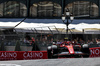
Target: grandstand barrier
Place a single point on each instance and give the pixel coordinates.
(22, 55)
(25, 55)
(95, 52)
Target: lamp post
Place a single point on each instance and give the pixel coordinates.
(66, 16)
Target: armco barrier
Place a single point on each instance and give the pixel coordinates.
(25, 55)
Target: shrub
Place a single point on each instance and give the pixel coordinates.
(2, 47)
(17, 47)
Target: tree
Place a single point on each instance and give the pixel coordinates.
(2, 47)
(17, 47)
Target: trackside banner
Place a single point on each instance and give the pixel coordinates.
(22, 55)
(25, 55)
(95, 52)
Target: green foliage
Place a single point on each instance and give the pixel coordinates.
(17, 47)
(35, 47)
(2, 47)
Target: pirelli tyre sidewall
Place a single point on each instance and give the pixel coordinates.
(51, 50)
(85, 50)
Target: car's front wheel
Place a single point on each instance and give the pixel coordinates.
(51, 50)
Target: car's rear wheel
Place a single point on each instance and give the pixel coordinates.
(49, 53)
(85, 50)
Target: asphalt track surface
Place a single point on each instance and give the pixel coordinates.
(54, 62)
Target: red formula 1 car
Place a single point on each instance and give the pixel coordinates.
(68, 49)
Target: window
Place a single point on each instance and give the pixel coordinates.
(23, 10)
(57, 10)
(33, 10)
(12, 9)
(83, 9)
(45, 9)
(1, 9)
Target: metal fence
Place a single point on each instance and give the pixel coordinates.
(45, 34)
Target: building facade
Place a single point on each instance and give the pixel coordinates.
(49, 9)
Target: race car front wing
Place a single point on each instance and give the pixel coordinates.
(77, 53)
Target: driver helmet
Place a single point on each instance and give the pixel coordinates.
(66, 39)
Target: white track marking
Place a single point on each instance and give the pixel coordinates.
(9, 65)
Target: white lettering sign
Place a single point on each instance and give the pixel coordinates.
(95, 52)
(33, 54)
(8, 54)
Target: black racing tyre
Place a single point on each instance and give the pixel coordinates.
(85, 49)
(49, 52)
(54, 51)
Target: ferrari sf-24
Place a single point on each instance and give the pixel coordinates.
(68, 49)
